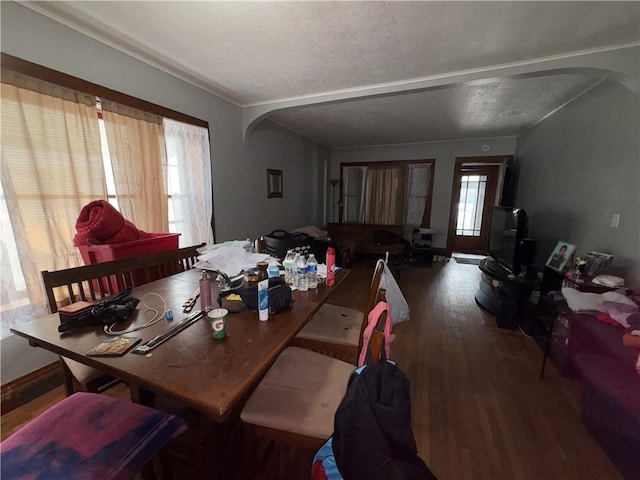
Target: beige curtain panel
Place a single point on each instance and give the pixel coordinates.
(51, 166)
(384, 198)
(137, 151)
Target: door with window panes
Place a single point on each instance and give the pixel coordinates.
(474, 194)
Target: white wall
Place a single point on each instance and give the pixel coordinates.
(302, 163)
(580, 166)
(444, 153)
(238, 170)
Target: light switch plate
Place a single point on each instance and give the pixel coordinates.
(615, 220)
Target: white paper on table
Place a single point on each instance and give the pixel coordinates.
(252, 260)
(230, 258)
(322, 270)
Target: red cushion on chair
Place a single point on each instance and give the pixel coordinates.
(88, 436)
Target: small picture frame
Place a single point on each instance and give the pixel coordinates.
(560, 256)
(274, 183)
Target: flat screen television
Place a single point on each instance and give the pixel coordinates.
(506, 235)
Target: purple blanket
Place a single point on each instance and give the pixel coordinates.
(87, 436)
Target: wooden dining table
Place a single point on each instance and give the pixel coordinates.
(204, 380)
(207, 374)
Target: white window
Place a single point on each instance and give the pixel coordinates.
(188, 174)
(471, 205)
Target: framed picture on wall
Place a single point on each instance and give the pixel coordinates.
(560, 256)
(274, 183)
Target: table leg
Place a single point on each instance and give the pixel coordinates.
(547, 347)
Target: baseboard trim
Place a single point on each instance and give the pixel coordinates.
(28, 387)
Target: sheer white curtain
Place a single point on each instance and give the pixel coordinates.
(353, 180)
(418, 182)
(189, 188)
(51, 166)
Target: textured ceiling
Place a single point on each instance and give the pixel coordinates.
(260, 52)
(502, 108)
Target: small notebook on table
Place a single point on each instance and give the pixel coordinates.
(114, 347)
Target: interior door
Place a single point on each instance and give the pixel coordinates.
(475, 188)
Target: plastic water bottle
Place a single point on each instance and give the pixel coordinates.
(250, 246)
(289, 267)
(273, 270)
(295, 278)
(312, 272)
(301, 270)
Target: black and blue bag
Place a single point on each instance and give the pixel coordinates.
(372, 436)
(280, 297)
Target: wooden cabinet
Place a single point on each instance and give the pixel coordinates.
(560, 343)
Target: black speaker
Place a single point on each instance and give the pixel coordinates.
(527, 252)
(531, 272)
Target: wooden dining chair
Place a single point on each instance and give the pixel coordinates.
(337, 331)
(100, 280)
(294, 405)
(163, 264)
(87, 283)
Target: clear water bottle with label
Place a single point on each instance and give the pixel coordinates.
(273, 270)
(301, 271)
(295, 279)
(289, 267)
(312, 272)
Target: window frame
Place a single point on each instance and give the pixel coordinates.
(53, 76)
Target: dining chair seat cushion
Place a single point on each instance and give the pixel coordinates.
(83, 373)
(88, 436)
(334, 324)
(299, 394)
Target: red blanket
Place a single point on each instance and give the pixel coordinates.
(99, 222)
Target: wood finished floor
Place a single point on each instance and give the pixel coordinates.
(479, 409)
